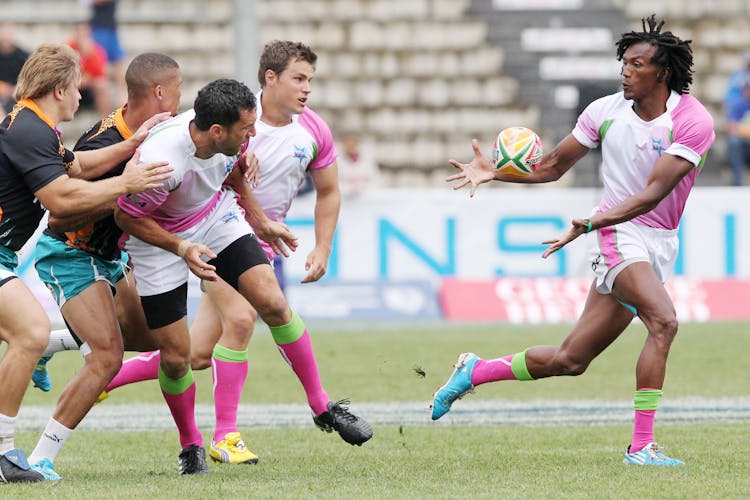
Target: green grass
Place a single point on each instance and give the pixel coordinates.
(429, 461)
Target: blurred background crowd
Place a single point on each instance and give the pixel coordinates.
(405, 84)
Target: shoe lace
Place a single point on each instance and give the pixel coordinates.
(340, 412)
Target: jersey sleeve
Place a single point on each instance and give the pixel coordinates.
(324, 149)
(692, 132)
(588, 125)
(36, 155)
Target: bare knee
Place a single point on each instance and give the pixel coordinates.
(32, 341)
(105, 362)
(275, 310)
(662, 329)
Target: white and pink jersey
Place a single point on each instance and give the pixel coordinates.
(284, 155)
(631, 147)
(195, 185)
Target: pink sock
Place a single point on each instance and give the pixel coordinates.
(492, 370)
(300, 356)
(229, 379)
(136, 369)
(182, 407)
(643, 430)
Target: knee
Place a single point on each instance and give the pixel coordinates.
(33, 340)
(174, 364)
(664, 329)
(107, 362)
(275, 310)
(239, 323)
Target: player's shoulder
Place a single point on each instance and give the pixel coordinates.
(24, 123)
(690, 105)
(103, 133)
(611, 103)
(315, 124)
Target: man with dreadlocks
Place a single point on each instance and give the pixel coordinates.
(654, 138)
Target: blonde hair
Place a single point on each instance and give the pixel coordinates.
(51, 66)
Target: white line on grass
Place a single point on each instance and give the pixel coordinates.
(131, 417)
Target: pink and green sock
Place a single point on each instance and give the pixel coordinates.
(511, 367)
(229, 371)
(180, 397)
(295, 346)
(137, 369)
(645, 402)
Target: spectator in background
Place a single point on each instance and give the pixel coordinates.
(358, 170)
(737, 80)
(738, 132)
(12, 58)
(94, 85)
(103, 25)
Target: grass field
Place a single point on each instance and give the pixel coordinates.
(428, 460)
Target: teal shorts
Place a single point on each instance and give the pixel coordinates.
(67, 271)
(8, 264)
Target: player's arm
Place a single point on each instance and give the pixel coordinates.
(327, 206)
(553, 165)
(145, 228)
(280, 238)
(667, 173)
(66, 196)
(75, 222)
(94, 163)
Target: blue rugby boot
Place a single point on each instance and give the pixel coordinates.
(651, 455)
(40, 377)
(46, 468)
(458, 385)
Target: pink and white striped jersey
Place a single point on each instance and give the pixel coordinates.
(631, 147)
(194, 187)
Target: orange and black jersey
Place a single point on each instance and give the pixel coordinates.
(31, 156)
(101, 237)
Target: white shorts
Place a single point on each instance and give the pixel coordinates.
(612, 249)
(158, 271)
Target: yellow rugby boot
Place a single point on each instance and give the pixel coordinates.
(232, 450)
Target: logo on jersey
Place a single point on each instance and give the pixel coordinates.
(300, 153)
(657, 144)
(229, 165)
(230, 216)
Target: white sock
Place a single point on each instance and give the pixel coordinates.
(60, 340)
(50, 442)
(7, 426)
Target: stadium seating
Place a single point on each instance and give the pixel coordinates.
(422, 77)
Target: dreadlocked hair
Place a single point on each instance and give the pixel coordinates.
(673, 55)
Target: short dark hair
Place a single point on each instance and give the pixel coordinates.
(671, 54)
(146, 71)
(220, 102)
(278, 53)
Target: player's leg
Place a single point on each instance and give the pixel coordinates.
(224, 313)
(26, 336)
(136, 335)
(639, 285)
(166, 315)
(91, 313)
(256, 281)
(603, 319)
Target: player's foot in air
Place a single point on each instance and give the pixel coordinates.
(232, 450)
(651, 455)
(351, 428)
(14, 468)
(193, 460)
(457, 386)
(46, 468)
(40, 377)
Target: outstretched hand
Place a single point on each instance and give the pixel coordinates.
(477, 172)
(579, 227)
(279, 237)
